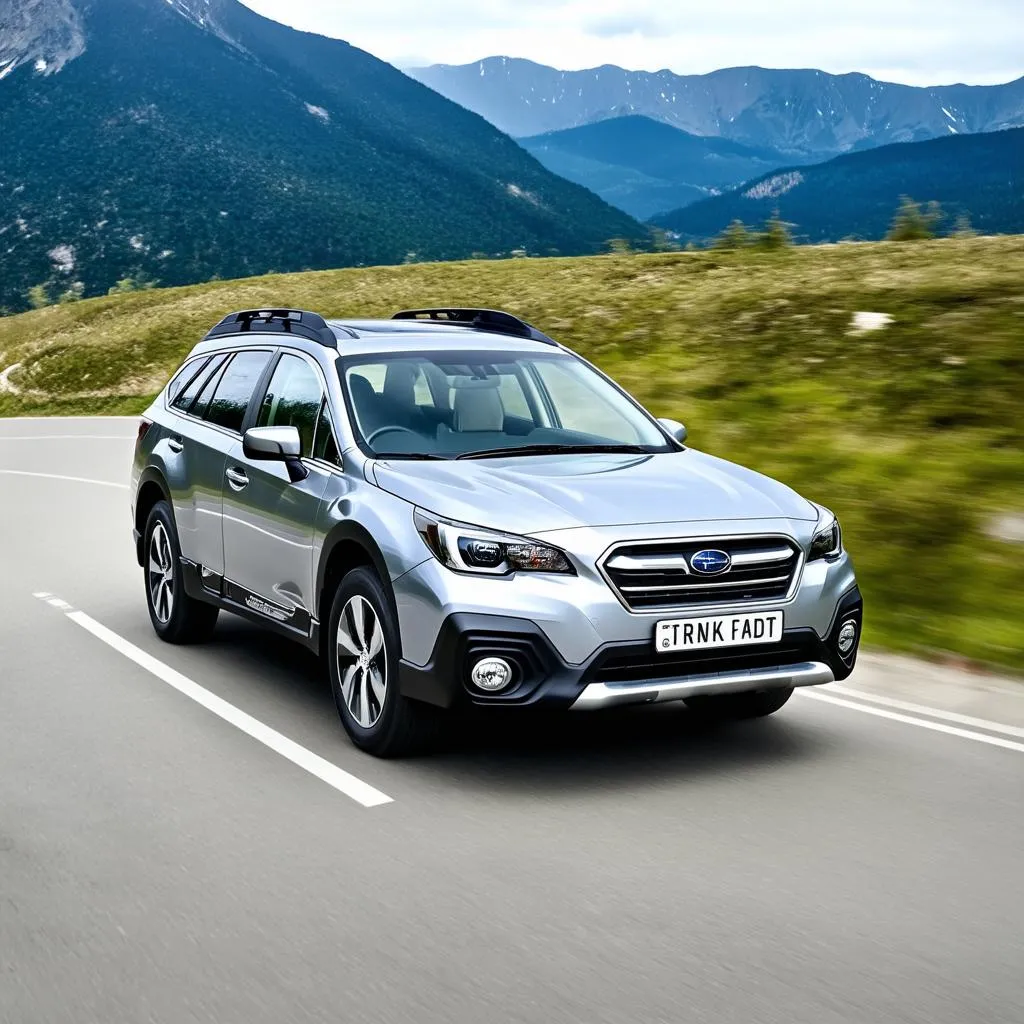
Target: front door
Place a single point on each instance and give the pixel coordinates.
(269, 521)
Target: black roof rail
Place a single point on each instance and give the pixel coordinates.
(481, 319)
(277, 321)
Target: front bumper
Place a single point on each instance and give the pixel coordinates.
(617, 673)
(604, 695)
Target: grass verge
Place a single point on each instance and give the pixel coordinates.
(912, 433)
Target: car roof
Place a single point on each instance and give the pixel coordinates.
(444, 329)
(361, 337)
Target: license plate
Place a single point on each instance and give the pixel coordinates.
(718, 631)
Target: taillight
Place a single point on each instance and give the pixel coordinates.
(144, 426)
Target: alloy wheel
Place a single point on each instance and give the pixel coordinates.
(362, 665)
(161, 574)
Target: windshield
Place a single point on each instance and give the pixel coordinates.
(479, 404)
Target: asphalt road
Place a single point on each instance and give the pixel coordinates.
(159, 864)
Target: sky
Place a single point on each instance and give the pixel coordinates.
(920, 42)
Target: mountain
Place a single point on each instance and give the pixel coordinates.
(186, 139)
(857, 194)
(645, 166)
(805, 113)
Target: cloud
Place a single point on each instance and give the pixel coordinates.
(624, 24)
(922, 42)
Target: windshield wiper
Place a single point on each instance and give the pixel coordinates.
(415, 456)
(558, 449)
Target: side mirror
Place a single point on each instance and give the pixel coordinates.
(675, 428)
(276, 444)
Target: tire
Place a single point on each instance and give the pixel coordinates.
(734, 707)
(176, 617)
(362, 649)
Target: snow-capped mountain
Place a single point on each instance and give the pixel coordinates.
(805, 113)
(43, 33)
(183, 139)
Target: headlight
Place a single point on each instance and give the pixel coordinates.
(472, 549)
(828, 537)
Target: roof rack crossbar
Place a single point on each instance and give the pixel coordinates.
(494, 320)
(277, 321)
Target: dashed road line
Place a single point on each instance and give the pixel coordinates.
(351, 786)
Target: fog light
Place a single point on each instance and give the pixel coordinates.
(491, 674)
(847, 637)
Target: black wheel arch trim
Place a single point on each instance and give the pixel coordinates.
(350, 532)
(150, 475)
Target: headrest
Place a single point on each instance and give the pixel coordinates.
(400, 383)
(478, 409)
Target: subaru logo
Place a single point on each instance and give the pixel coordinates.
(710, 563)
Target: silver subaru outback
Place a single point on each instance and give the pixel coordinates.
(453, 509)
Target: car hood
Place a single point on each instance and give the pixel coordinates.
(533, 494)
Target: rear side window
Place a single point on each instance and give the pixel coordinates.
(191, 383)
(210, 379)
(184, 377)
(237, 383)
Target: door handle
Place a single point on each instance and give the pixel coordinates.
(176, 444)
(237, 478)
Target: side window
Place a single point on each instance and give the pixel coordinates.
(324, 446)
(185, 396)
(231, 399)
(210, 381)
(293, 399)
(580, 407)
(186, 375)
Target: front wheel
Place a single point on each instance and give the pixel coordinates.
(738, 706)
(176, 617)
(363, 656)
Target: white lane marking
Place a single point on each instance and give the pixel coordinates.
(68, 419)
(362, 792)
(921, 709)
(921, 723)
(57, 476)
(65, 437)
(56, 602)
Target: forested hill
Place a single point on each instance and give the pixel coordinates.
(977, 176)
(183, 141)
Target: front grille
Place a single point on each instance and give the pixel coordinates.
(643, 664)
(656, 575)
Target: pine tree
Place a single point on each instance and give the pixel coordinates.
(963, 227)
(776, 233)
(735, 236)
(912, 224)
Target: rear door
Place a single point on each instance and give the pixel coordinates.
(211, 410)
(270, 521)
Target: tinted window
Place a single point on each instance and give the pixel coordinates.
(184, 376)
(186, 395)
(293, 399)
(210, 380)
(236, 386)
(325, 447)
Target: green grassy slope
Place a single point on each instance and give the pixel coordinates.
(914, 434)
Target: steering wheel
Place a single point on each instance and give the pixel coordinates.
(387, 430)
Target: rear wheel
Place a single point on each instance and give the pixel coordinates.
(362, 651)
(738, 706)
(176, 617)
